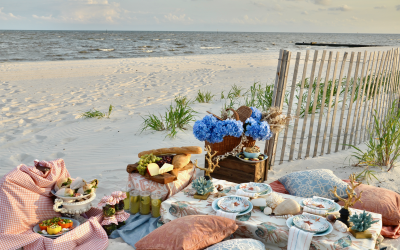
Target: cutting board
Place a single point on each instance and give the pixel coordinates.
(162, 179)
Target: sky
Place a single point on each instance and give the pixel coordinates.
(318, 16)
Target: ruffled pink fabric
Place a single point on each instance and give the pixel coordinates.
(122, 216)
(106, 200)
(109, 221)
(118, 196)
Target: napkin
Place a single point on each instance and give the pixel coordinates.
(299, 239)
(240, 192)
(231, 216)
(314, 211)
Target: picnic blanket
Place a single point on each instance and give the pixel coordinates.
(25, 200)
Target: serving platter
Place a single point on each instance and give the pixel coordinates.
(248, 161)
(75, 224)
(289, 223)
(214, 206)
(316, 224)
(233, 204)
(319, 203)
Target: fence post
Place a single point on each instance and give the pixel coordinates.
(277, 101)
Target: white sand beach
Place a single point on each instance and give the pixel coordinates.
(41, 105)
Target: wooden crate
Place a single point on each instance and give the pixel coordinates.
(234, 170)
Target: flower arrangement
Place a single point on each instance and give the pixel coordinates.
(254, 127)
(213, 130)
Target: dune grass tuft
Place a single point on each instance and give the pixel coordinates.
(204, 97)
(97, 114)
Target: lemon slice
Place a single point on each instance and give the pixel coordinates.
(134, 198)
(146, 200)
(156, 203)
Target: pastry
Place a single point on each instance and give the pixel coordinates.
(173, 150)
(180, 161)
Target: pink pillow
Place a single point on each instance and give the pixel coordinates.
(381, 201)
(188, 233)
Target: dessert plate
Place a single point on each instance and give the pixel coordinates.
(233, 204)
(316, 224)
(289, 223)
(335, 209)
(214, 206)
(266, 192)
(254, 187)
(319, 203)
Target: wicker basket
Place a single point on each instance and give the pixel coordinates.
(229, 142)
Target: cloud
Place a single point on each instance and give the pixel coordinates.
(380, 7)
(97, 2)
(398, 7)
(274, 7)
(248, 20)
(322, 2)
(304, 13)
(50, 17)
(181, 18)
(341, 8)
(8, 16)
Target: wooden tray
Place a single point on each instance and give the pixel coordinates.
(163, 178)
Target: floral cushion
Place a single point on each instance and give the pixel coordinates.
(188, 233)
(238, 244)
(317, 182)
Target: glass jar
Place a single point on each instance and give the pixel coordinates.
(144, 202)
(126, 200)
(108, 210)
(155, 204)
(134, 201)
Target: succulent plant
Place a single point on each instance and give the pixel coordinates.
(361, 222)
(202, 186)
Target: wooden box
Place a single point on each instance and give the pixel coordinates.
(237, 171)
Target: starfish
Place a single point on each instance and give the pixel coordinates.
(317, 219)
(251, 188)
(236, 204)
(320, 206)
(308, 222)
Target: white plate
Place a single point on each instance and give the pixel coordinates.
(319, 203)
(214, 206)
(317, 223)
(70, 198)
(289, 223)
(252, 187)
(75, 224)
(268, 191)
(336, 209)
(233, 204)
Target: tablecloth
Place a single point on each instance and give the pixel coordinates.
(138, 182)
(272, 231)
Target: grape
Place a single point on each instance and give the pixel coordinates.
(146, 160)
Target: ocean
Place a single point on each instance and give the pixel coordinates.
(80, 45)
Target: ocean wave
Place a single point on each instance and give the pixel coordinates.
(156, 39)
(83, 51)
(148, 51)
(210, 47)
(105, 49)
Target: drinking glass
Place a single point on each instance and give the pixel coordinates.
(155, 204)
(144, 202)
(134, 201)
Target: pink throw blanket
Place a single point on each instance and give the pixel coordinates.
(25, 200)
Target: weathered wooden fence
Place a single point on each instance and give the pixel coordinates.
(333, 102)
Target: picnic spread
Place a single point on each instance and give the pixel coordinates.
(167, 204)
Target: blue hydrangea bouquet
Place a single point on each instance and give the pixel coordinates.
(225, 135)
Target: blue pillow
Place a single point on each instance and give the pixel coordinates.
(238, 244)
(317, 182)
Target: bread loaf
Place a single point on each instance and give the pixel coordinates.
(173, 150)
(180, 161)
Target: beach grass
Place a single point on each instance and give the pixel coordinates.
(97, 114)
(204, 97)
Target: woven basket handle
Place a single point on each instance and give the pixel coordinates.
(234, 113)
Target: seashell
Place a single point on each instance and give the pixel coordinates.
(331, 217)
(273, 200)
(288, 206)
(260, 202)
(340, 226)
(267, 211)
(219, 187)
(305, 226)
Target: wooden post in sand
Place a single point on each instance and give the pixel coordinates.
(277, 101)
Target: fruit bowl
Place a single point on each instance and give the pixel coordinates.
(250, 155)
(69, 207)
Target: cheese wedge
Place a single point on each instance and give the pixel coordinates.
(166, 168)
(153, 169)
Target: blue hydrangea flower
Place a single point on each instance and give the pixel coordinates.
(256, 114)
(213, 130)
(200, 130)
(258, 130)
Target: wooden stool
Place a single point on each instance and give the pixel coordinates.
(234, 170)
